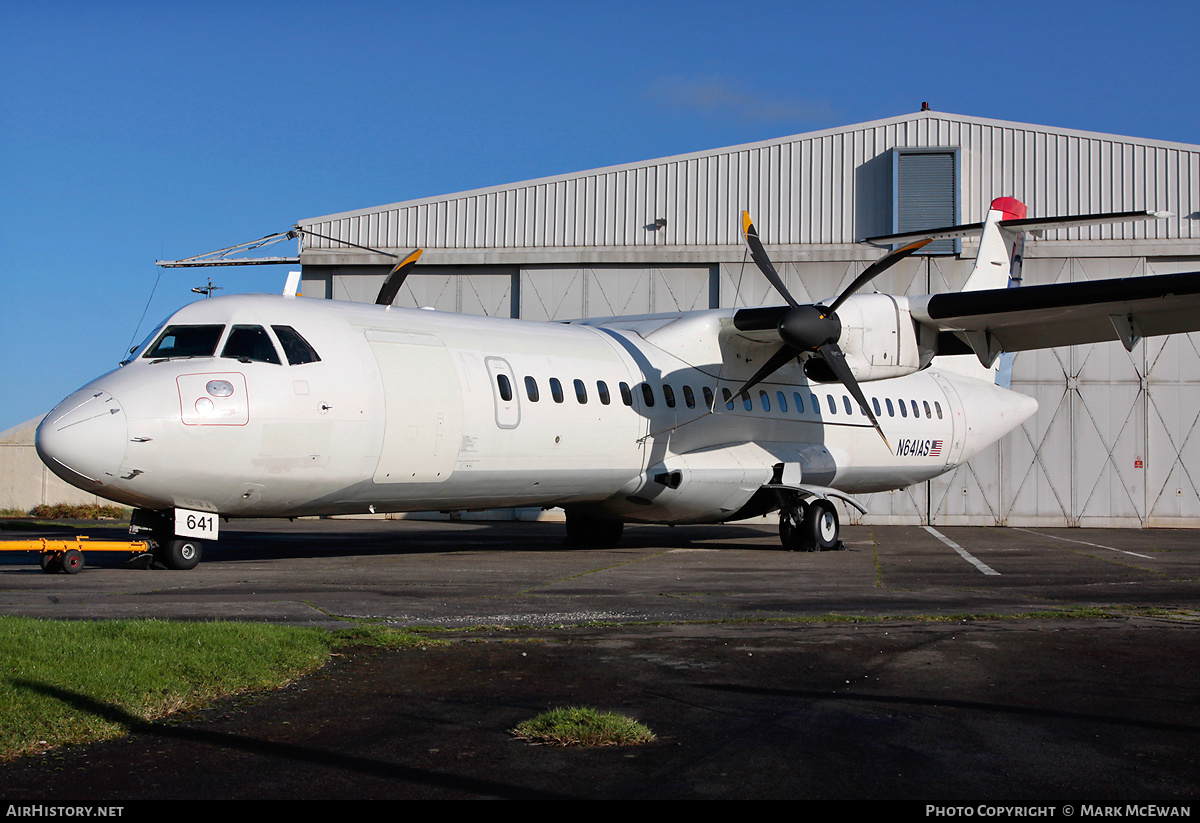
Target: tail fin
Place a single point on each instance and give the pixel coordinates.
(999, 247)
(998, 265)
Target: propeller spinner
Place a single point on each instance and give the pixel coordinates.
(811, 328)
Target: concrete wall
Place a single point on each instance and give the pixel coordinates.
(25, 481)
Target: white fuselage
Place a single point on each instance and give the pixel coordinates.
(411, 410)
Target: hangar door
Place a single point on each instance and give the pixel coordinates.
(568, 293)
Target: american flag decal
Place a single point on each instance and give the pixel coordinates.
(909, 447)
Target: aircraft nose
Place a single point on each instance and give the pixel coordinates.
(83, 438)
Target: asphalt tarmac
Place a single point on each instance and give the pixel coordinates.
(985, 666)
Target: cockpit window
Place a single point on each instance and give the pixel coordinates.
(295, 347)
(186, 341)
(146, 341)
(250, 344)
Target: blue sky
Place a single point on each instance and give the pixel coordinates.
(138, 131)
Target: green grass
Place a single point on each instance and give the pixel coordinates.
(69, 682)
(583, 726)
(89, 511)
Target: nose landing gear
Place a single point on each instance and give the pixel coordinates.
(168, 550)
(179, 553)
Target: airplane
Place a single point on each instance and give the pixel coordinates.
(285, 406)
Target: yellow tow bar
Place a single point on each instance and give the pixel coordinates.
(59, 555)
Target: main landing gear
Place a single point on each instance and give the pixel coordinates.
(808, 527)
(587, 532)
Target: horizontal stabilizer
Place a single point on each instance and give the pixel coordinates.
(1026, 224)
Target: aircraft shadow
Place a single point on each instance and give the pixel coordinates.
(261, 540)
(299, 754)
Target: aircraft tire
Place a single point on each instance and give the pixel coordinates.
(820, 526)
(179, 554)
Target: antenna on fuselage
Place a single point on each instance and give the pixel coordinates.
(207, 290)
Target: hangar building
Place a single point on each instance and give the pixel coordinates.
(1115, 441)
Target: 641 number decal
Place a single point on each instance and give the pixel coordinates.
(196, 524)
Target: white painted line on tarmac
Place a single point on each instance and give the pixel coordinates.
(966, 555)
(1085, 543)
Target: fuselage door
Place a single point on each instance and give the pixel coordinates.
(504, 390)
(423, 407)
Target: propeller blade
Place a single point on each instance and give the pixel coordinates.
(395, 279)
(764, 263)
(877, 268)
(778, 360)
(837, 364)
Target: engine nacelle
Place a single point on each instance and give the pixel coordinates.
(880, 339)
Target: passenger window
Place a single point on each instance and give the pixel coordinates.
(799, 402)
(295, 348)
(580, 391)
(782, 401)
(903, 408)
(832, 405)
(747, 403)
(626, 394)
(556, 390)
(648, 395)
(891, 411)
(186, 341)
(875, 403)
(504, 386)
(764, 401)
(938, 408)
(250, 344)
(708, 397)
(816, 405)
(531, 390)
(728, 399)
(669, 396)
(688, 397)
(928, 413)
(916, 413)
(602, 392)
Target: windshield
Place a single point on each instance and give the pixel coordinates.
(140, 347)
(186, 341)
(250, 344)
(296, 348)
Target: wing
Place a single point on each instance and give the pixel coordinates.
(1064, 314)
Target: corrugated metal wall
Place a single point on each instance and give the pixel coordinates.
(829, 187)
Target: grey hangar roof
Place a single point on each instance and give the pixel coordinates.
(815, 195)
